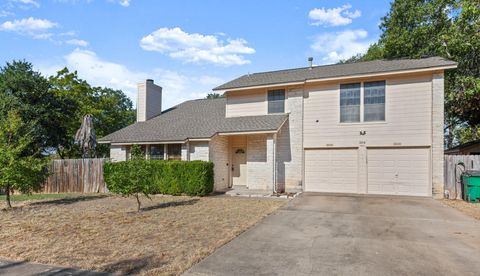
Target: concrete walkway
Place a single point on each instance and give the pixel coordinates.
(353, 235)
(15, 268)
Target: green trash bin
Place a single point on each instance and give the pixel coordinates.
(471, 186)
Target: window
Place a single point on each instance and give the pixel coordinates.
(350, 103)
(374, 101)
(276, 101)
(156, 152)
(174, 151)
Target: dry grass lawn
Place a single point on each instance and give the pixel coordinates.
(470, 209)
(104, 233)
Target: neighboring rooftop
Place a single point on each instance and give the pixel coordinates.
(334, 70)
(193, 120)
(469, 147)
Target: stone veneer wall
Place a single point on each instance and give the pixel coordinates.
(260, 161)
(218, 154)
(199, 151)
(289, 147)
(437, 134)
(118, 153)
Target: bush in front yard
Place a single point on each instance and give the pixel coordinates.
(129, 178)
(193, 178)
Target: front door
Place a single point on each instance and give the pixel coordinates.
(239, 166)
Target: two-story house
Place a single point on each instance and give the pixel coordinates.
(370, 128)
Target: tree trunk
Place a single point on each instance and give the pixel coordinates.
(138, 203)
(7, 197)
(450, 136)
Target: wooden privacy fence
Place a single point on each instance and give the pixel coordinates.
(453, 172)
(76, 175)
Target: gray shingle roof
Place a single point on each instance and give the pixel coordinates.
(335, 70)
(193, 119)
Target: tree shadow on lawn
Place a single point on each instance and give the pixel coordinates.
(170, 204)
(134, 266)
(69, 200)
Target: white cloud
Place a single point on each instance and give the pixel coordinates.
(341, 45)
(99, 72)
(27, 3)
(4, 13)
(77, 42)
(333, 17)
(36, 28)
(124, 3)
(197, 48)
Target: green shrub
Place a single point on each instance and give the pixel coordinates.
(129, 178)
(147, 177)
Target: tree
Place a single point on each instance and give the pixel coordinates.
(111, 109)
(37, 104)
(214, 96)
(18, 169)
(447, 28)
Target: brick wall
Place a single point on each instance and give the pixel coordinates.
(218, 154)
(118, 153)
(437, 134)
(260, 161)
(199, 151)
(289, 147)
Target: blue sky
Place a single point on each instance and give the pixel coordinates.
(187, 47)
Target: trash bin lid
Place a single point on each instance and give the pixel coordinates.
(472, 173)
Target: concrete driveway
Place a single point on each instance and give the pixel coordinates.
(353, 235)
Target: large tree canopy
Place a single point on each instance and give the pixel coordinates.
(37, 103)
(57, 106)
(447, 28)
(111, 109)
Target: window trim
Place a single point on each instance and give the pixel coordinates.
(362, 104)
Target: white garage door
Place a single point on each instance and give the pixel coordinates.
(332, 171)
(399, 171)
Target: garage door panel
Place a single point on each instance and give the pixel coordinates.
(331, 170)
(402, 171)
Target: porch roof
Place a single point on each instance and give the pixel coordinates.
(197, 119)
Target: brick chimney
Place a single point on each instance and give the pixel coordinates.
(149, 100)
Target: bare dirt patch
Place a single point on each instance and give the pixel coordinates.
(470, 209)
(106, 234)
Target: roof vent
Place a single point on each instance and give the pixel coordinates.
(310, 62)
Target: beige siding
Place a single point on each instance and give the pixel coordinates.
(218, 154)
(199, 151)
(408, 116)
(246, 103)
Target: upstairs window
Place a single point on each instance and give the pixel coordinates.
(276, 101)
(374, 101)
(350, 103)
